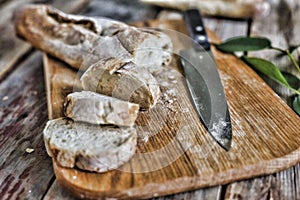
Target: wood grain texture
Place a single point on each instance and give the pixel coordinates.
(64, 80)
(258, 188)
(286, 184)
(56, 191)
(8, 40)
(224, 28)
(25, 170)
(211, 193)
(263, 142)
(23, 114)
(280, 26)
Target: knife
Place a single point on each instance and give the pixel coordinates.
(204, 82)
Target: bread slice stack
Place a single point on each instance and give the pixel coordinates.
(88, 137)
(97, 132)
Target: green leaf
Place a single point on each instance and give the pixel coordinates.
(267, 68)
(293, 81)
(296, 104)
(238, 44)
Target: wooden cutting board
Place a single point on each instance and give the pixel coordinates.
(175, 153)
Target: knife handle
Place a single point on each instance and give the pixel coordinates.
(196, 28)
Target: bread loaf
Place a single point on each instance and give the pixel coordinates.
(130, 83)
(95, 108)
(82, 41)
(88, 147)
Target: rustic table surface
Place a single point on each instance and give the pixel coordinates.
(25, 168)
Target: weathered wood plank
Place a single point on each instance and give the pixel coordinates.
(224, 28)
(58, 192)
(122, 10)
(23, 114)
(275, 190)
(257, 188)
(25, 169)
(211, 193)
(281, 24)
(297, 180)
(287, 184)
(8, 40)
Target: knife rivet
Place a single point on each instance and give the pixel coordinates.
(199, 28)
(201, 38)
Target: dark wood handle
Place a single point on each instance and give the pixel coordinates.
(196, 28)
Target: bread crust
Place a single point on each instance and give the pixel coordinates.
(82, 41)
(130, 83)
(91, 148)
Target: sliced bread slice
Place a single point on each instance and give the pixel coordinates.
(130, 83)
(91, 107)
(89, 147)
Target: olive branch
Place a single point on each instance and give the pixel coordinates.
(246, 44)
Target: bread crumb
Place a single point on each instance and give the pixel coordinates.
(5, 98)
(146, 138)
(170, 101)
(155, 195)
(29, 150)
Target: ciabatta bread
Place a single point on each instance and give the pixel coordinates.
(95, 108)
(88, 147)
(130, 83)
(82, 41)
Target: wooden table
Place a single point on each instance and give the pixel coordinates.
(25, 168)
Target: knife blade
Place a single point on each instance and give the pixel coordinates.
(203, 81)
